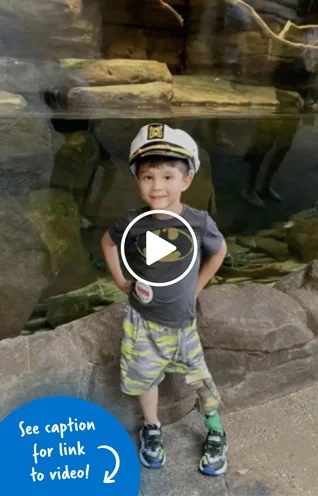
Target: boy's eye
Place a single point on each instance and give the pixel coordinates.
(168, 177)
(147, 178)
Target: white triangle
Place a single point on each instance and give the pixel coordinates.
(157, 248)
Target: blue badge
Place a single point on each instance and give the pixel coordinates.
(62, 445)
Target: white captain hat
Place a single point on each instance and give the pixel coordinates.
(160, 139)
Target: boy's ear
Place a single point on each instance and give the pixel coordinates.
(186, 182)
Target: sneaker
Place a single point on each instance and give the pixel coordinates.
(151, 451)
(214, 461)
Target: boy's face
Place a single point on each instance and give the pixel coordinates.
(161, 186)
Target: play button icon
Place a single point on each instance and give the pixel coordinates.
(157, 248)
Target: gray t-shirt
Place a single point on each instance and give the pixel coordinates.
(172, 305)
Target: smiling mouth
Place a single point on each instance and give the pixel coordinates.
(157, 197)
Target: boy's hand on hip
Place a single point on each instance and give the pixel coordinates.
(125, 286)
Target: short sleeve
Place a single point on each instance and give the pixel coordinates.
(117, 229)
(212, 238)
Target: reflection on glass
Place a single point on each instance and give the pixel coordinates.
(79, 80)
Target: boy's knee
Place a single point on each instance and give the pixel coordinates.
(209, 396)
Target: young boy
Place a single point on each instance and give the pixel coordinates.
(159, 330)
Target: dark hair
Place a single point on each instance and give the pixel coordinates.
(160, 160)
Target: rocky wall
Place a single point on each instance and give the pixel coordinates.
(259, 342)
(41, 29)
(250, 42)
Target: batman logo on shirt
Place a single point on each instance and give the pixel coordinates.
(181, 239)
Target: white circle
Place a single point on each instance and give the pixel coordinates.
(165, 212)
(144, 292)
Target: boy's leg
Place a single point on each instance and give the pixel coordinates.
(214, 458)
(213, 461)
(149, 405)
(142, 369)
(151, 451)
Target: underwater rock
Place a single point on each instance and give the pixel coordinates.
(148, 95)
(108, 130)
(279, 233)
(201, 194)
(75, 162)
(71, 306)
(112, 182)
(19, 176)
(246, 241)
(24, 267)
(24, 136)
(275, 248)
(303, 234)
(104, 72)
(54, 215)
(233, 247)
(243, 265)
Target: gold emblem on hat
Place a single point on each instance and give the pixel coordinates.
(155, 131)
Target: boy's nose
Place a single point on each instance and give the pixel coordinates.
(157, 184)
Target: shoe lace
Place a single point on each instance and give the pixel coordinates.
(152, 437)
(213, 447)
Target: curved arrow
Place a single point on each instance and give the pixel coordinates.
(108, 479)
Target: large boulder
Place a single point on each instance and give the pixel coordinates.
(257, 343)
(254, 317)
(81, 359)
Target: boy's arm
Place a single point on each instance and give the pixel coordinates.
(210, 267)
(110, 252)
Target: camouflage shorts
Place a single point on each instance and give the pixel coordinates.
(148, 350)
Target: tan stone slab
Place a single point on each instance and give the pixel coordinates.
(11, 101)
(118, 71)
(144, 95)
(194, 90)
(208, 90)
